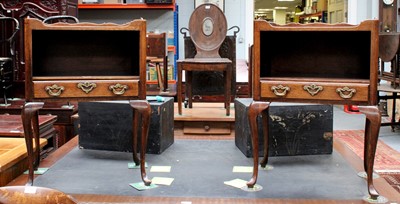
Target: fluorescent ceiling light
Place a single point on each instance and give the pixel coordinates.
(265, 10)
(285, 0)
(279, 7)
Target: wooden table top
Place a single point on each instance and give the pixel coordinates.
(11, 125)
(12, 150)
(387, 88)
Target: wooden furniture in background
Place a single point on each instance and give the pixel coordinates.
(389, 41)
(394, 95)
(13, 158)
(388, 16)
(7, 57)
(250, 69)
(337, 66)
(85, 62)
(33, 195)
(207, 35)
(157, 53)
(11, 126)
(63, 110)
(209, 86)
(21, 10)
(388, 52)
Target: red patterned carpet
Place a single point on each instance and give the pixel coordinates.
(393, 179)
(387, 160)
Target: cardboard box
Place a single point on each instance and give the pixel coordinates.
(153, 73)
(113, 1)
(322, 5)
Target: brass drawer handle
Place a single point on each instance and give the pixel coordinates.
(313, 89)
(86, 86)
(118, 89)
(346, 92)
(280, 90)
(54, 90)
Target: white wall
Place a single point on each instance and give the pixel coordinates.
(359, 10)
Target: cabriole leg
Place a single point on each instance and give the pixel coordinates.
(30, 122)
(255, 109)
(142, 108)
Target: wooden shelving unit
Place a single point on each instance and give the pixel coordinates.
(138, 6)
(127, 6)
(318, 14)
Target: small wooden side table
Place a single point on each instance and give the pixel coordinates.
(389, 89)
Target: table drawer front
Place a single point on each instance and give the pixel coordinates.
(315, 91)
(77, 89)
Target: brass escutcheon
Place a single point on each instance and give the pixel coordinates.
(313, 89)
(280, 90)
(118, 89)
(328, 136)
(346, 92)
(86, 86)
(54, 90)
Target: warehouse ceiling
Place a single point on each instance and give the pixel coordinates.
(269, 5)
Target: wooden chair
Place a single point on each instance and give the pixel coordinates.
(6, 62)
(209, 86)
(33, 195)
(208, 28)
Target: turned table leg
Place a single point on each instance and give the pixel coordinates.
(188, 87)
(179, 88)
(228, 78)
(372, 126)
(30, 120)
(141, 108)
(255, 109)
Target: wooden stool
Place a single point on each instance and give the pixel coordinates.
(160, 78)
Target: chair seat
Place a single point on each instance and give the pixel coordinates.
(206, 60)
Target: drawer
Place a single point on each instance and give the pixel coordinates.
(316, 91)
(207, 128)
(87, 88)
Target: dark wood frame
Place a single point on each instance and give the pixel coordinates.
(288, 87)
(388, 15)
(85, 86)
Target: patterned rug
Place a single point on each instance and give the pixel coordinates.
(393, 179)
(387, 160)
